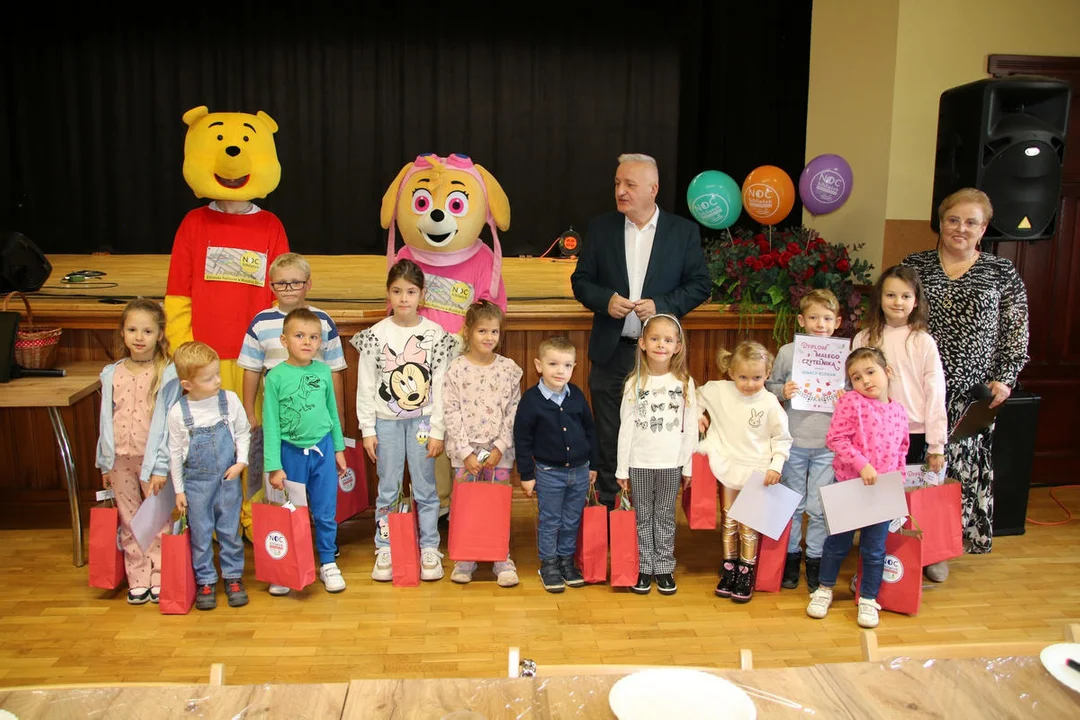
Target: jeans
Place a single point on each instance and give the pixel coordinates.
(871, 549)
(398, 443)
(560, 496)
(806, 471)
(316, 469)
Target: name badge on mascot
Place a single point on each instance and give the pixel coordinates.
(448, 295)
(247, 267)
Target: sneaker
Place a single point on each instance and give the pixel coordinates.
(791, 571)
(205, 598)
(644, 584)
(570, 573)
(505, 573)
(868, 613)
(383, 570)
(744, 582)
(138, 596)
(937, 572)
(551, 577)
(155, 594)
(813, 573)
(820, 600)
(727, 579)
(854, 584)
(331, 578)
(278, 590)
(430, 564)
(235, 592)
(665, 583)
(463, 571)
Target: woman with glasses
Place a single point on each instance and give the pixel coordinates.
(979, 318)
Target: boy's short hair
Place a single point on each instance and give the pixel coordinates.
(300, 315)
(191, 357)
(822, 297)
(291, 260)
(558, 343)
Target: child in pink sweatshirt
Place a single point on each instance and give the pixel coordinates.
(869, 436)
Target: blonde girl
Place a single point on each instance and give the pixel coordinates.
(746, 430)
(656, 440)
(132, 450)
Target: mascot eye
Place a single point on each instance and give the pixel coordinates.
(220, 137)
(421, 201)
(457, 203)
(245, 138)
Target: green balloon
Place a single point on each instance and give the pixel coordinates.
(715, 199)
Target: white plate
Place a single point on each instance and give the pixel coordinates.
(1053, 659)
(668, 693)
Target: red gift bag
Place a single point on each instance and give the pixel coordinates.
(772, 555)
(936, 510)
(901, 582)
(106, 554)
(352, 494)
(177, 572)
(625, 562)
(591, 553)
(405, 545)
(479, 521)
(699, 498)
(282, 540)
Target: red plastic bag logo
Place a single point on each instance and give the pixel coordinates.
(277, 546)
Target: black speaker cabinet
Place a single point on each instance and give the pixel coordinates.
(1006, 137)
(1013, 456)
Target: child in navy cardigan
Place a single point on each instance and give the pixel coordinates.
(555, 441)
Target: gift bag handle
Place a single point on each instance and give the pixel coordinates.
(183, 523)
(622, 500)
(591, 498)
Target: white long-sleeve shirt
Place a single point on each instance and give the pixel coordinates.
(746, 432)
(205, 413)
(918, 381)
(659, 425)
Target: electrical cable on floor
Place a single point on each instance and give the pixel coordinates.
(1068, 514)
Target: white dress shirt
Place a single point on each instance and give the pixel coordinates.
(638, 250)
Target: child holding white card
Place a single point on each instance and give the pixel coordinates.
(745, 430)
(869, 436)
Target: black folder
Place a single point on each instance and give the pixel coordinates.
(9, 325)
(977, 415)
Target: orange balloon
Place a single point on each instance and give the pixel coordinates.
(768, 194)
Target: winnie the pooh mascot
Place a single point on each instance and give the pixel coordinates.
(440, 205)
(219, 268)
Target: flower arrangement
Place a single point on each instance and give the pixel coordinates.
(771, 271)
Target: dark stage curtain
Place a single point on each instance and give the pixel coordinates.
(92, 133)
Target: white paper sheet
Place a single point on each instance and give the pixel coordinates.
(154, 513)
(921, 476)
(297, 493)
(765, 509)
(850, 505)
(817, 369)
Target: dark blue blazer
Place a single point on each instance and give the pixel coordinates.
(676, 279)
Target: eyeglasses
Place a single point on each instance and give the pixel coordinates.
(288, 285)
(955, 222)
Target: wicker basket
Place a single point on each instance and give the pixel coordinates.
(35, 345)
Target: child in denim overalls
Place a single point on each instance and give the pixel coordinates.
(209, 437)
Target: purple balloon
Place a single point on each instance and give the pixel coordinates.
(825, 184)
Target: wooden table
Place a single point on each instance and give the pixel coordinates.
(53, 393)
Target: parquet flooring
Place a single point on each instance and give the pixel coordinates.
(53, 628)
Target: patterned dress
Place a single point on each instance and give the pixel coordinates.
(980, 323)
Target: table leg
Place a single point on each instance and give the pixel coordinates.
(72, 479)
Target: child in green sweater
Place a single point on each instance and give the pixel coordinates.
(302, 435)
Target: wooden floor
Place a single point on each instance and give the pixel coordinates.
(55, 629)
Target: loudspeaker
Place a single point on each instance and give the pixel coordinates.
(1006, 137)
(1013, 455)
(23, 266)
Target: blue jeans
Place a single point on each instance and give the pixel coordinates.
(560, 496)
(871, 549)
(213, 502)
(316, 469)
(806, 471)
(398, 443)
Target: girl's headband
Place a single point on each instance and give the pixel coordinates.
(666, 316)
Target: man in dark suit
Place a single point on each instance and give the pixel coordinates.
(634, 263)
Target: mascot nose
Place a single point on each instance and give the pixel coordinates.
(232, 151)
(437, 215)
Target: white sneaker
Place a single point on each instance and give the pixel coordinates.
(505, 573)
(278, 590)
(383, 570)
(868, 613)
(331, 578)
(820, 600)
(463, 572)
(430, 564)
